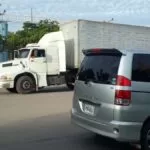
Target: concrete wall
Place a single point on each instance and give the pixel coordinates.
(108, 35)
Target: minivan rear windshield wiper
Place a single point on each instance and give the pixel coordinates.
(90, 80)
(97, 81)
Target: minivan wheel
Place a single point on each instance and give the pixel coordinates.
(25, 85)
(145, 137)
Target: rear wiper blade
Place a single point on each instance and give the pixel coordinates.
(96, 81)
(90, 80)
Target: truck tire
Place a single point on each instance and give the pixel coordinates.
(70, 80)
(70, 86)
(11, 90)
(25, 85)
(145, 141)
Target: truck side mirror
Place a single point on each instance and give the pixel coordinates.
(16, 55)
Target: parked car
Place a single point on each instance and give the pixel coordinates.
(112, 94)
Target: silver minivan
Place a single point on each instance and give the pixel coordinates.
(112, 95)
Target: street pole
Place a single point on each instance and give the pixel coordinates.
(1, 21)
(31, 16)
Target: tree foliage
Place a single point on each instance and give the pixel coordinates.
(31, 33)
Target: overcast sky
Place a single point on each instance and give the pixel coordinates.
(123, 11)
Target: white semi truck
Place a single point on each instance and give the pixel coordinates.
(55, 59)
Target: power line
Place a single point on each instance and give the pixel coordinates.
(20, 19)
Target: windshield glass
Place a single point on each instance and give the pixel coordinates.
(23, 53)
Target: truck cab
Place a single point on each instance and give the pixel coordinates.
(22, 74)
(36, 66)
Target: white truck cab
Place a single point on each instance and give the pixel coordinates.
(36, 65)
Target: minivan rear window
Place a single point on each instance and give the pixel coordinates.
(102, 68)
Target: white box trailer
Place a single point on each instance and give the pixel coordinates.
(56, 58)
(84, 34)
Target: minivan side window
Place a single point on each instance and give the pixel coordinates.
(99, 68)
(141, 68)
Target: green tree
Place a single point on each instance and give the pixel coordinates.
(31, 33)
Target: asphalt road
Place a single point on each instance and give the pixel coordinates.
(41, 121)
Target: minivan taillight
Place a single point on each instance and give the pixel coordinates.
(123, 91)
(123, 81)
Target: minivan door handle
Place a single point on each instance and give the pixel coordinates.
(112, 88)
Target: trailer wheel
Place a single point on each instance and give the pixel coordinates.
(70, 79)
(70, 86)
(11, 90)
(25, 85)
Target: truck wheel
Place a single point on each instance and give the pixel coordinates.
(12, 90)
(69, 83)
(70, 79)
(145, 137)
(70, 86)
(25, 85)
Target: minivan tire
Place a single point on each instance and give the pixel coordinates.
(25, 85)
(144, 137)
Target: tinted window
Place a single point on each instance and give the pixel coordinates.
(99, 68)
(141, 68)
(38, 53)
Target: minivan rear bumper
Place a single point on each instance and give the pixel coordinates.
(120, 131)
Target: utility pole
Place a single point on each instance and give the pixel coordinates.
(31, 15)
(3, 28)
(2, 13)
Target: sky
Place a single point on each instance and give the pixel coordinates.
(136, 12)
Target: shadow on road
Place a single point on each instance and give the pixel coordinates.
(107, 143)
(54, 132)
(53, 89)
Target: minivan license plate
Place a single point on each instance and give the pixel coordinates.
(89, 109)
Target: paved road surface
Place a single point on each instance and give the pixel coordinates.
(41, 121)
